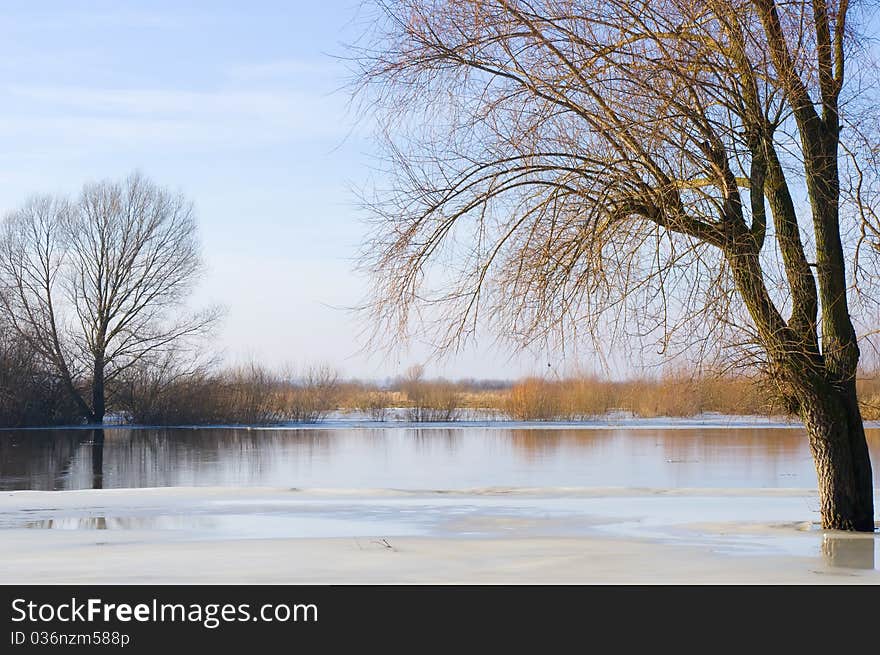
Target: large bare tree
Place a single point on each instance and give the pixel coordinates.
(638, 165)
(98, 285)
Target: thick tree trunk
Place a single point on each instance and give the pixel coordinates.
(840, 453)
(98, 391)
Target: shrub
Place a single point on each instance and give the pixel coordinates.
(247, 395)
(310, 398)
(535, 399)
(30, 394)
(373, 403)
(430, 401)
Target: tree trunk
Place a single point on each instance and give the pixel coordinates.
(840, 453)
(98, 391)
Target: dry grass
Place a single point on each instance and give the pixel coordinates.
(868, 386)
(375, 403)
(249, 395)
(434, 401)
(677, 395)
(417, 399)
(308, 399)
(681, 395)
(535, 399)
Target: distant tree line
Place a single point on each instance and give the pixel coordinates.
(94, 320)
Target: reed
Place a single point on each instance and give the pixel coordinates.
(868, 387)
(430, 400)
(247, 395)
(674, 395)
(375, 403)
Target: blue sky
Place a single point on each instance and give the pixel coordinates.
(237, 104)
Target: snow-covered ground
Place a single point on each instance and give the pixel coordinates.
(471, 418)
(568, 535)
(486, 419)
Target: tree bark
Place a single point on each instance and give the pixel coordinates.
(840, 453)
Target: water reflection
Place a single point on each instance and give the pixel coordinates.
(121, 523)
(428, 440)
(848, 551)
(38, 459)
(97, 459)
(677, 445)
(425, 458)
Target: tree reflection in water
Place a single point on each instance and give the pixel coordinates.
(849, 551)
(38, 459)
(97, 459)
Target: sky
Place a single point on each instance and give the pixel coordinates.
(241, 106)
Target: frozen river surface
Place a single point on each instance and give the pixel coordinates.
(732, 493)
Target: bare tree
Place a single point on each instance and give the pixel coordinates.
(636, 167)
(98, 285)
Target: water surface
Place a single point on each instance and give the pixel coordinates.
(460, 457)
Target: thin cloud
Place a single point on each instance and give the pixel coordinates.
(162, 115)
(60, 19)
(284, 69)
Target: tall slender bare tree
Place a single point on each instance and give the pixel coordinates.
(99, 284)
(642, 164)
